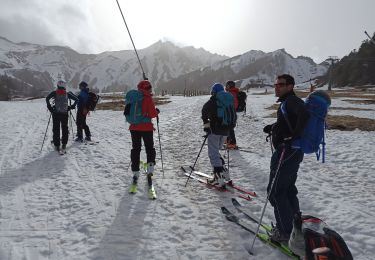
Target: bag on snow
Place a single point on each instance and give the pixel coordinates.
(61, 101)
(133, 108)
(317, 104)
(241, 97)
(226, 113)
(92, 100)
(311, 233)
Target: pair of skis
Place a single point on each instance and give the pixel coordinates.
(264, 236)
(230, 187)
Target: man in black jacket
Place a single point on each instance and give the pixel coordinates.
(292, 117)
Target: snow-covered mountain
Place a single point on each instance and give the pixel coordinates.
(250, 67)
(116, 70)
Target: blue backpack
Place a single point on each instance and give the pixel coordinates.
(317, 104)
(133, 108)
(226, 113)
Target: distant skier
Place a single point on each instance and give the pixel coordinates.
(139, 111)
(219, 116)
(82, 113)
(230, 87)
(60, 115)
(288, 127)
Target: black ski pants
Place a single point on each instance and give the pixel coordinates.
(231, 137)
(148, 140)
(283, 196)
(57, 120)
(81, 125)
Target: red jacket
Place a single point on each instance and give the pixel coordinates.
(234, 91)
(148, 110)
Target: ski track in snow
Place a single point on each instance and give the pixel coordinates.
(77, 206)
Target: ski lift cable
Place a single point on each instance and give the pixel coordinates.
(127, 28)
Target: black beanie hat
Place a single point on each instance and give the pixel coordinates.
(83, 84)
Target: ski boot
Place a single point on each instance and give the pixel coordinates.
(133, 186)
(63, 149)
(151, 189)
(218, 179)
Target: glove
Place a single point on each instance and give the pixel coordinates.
(207, 128)
(268, 129)
(52, 109)
(157, 110)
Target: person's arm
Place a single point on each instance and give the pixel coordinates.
(74, 98)
(297, 107)
(48, 98)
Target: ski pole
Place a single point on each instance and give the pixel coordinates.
(135, 50)
(268, 196)
(70, 119)
(161, 154)
(205, 139)
(46, 131)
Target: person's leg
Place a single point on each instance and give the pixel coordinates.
(148, 140)
(56, 129)
(86, 128)
(64, 129)
(79, 125)
(279, 198)
(214, 143)
(135, 153)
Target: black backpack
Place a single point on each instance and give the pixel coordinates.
(92, 100)
(241, 97)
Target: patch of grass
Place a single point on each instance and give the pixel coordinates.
(360, 101)
(350, 123)
(351, 108)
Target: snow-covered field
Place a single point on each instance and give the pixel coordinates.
(77, 206)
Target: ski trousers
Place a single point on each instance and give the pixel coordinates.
(81, 125)
(148, 140)
(215, 142)
(57, 120)
(283, 196)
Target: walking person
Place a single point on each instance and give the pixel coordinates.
(292, 117)
(60, 116)
(230, 87)
(139, 111)
(82, 113)
(219, 116)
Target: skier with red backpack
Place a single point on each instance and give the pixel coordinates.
(60, 116)
(139, 111)
(230, 87)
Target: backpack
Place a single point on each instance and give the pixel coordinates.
(61, 101)
(241, 96)
(313, 136)
(133, 108)
(226, 113)
(92, 100)
(310, 233)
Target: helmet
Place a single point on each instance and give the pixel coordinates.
(217, 87)
(144, 85)
(83, 84)
(61, 84)
(230, 84)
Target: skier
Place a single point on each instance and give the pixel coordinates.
(286, 158)
(141, 127)
(82, 113)
(230, 87)
(217, 130)
(60, 114)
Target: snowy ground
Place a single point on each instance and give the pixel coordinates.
(77, 206)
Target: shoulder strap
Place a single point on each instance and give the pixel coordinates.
(285, 114)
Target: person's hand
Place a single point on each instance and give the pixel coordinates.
(267, 129)
(52, 109)
(207, 128)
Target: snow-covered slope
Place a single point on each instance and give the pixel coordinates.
(76, 207)
(248, 68)
(105, 71)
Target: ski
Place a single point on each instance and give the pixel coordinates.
(209, 185)
(241, 209)
(230, 183)
(152, 193)
(90, 142)
(262, 237)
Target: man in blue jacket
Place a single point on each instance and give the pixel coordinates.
(82, 113)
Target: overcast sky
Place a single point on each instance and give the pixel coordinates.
(314, 28)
